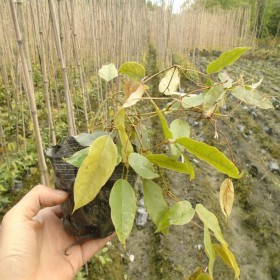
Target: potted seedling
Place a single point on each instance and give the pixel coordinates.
(100, 167)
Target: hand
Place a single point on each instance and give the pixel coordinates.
(34, 244)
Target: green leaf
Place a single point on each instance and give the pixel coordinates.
(190, 165)
(193, 100)
(102, 260)
(2, 188)
(123, 208)
(209, 249)
(180, 213)
(211, 155)
(176, 151)
(226, 59)
(228, 257)
(170, 83)
(85, 139)
(78, 158)
(133, 70)
(169, 163)
(179, 128)
(213, 96)
(210, 220)
(164, 125)
(142, 166)
(120, 118)
(108, 72)
(127, 147)
(154, 201)
(251, 97)
(95, 170)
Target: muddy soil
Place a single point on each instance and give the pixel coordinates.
(254, 229)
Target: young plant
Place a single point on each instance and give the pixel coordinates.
(124, 141)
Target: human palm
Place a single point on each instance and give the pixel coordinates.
(34, 243)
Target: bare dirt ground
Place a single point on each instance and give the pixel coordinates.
(254, 229)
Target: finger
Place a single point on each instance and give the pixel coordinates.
(79, 254)
(31, 203)
(91, 247)
(56, 210)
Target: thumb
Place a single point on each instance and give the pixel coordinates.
(40, 196)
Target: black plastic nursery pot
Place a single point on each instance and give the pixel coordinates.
(94, 219)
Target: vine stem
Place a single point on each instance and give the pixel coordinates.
(227, 141)
(158, 73)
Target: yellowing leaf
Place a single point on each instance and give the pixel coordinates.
(123, 208)
(228, 257)
(154, 201)
(254, 86)
(226, 197)
(196, 273)
(211, 155)
(170, 83)
(210, 220)
(135, 96)
(95, 170)
(209, 249)
(252, 97)
(127, 148)
(129, 87)
(203, 276)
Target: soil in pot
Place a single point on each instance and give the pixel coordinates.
(94, 219)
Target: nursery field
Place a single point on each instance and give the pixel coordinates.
(253, 230)
(195, 116)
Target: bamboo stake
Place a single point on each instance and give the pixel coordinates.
(44, 75)
(31, 98)
(2, 137)
(77, 58)
(68, 101)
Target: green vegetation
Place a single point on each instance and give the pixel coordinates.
(265, 14)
